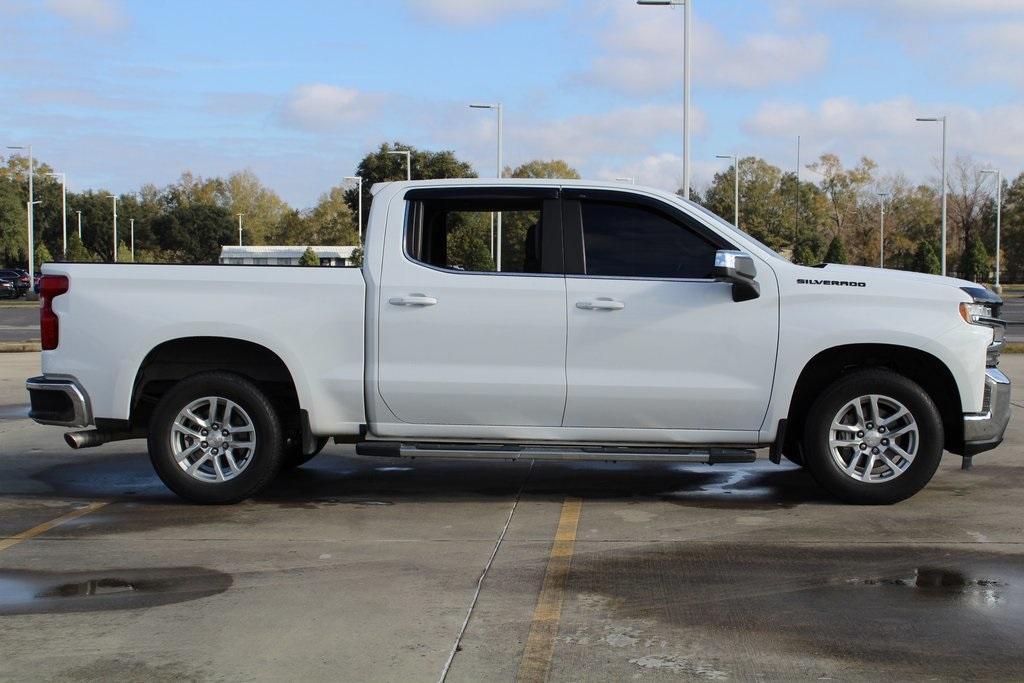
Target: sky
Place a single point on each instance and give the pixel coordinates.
(117, 93)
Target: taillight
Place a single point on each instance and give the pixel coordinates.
(50, 286)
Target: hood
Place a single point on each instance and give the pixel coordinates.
(833, 271)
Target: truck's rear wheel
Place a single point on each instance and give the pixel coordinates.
(873, 437)
(215, 438)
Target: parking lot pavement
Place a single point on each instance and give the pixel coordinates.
(363, 569)
(18, 322)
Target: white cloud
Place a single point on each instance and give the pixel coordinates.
(887, 131)
(643, 52)
(320, 107)
(101, 15)
(466, 12)
(925, 8)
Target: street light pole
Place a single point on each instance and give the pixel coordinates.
(359, 180)
(881, 234)
(31, 211)
(132, 222)
(687, 44)
(736, 185)
(114, 197)
(999, 217)
(64, 207)
(501, 132)
(79, 224)
(408, 161)
(240, 228)
(943, 120)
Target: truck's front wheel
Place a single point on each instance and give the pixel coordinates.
(215, 438)
(873, 437)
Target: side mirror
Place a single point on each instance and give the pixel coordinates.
(738, 268)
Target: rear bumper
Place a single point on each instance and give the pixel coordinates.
(984, 431)
(59, 401)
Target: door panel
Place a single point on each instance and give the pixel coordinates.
(473, 348)
(653, 343)
(677, 355)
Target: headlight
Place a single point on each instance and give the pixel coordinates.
(973, 312)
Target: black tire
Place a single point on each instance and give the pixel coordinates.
(817, 452)
(293, 455)
(265, 460)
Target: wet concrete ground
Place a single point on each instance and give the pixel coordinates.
(362, 569)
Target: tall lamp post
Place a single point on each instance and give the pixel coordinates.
(239, 228)
(79, 224)
(114, 197)
(63, 207)
(131, 222)
(31, 210)
(359, 215)
(736, 184)
(943, 121)
(408, 161)
(882, 196)
(687, 24)
(498, 107)
(999, 216)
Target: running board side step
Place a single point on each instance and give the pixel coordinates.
(709, 456)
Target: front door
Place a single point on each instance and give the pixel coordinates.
(654, 342)
(468, 337)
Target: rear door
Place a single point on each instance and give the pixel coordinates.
(463, 338)
(654, 342)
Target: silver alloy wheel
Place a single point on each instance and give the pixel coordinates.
(213, 439)
(874, 438)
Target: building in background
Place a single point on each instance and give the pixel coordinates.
(284, 255)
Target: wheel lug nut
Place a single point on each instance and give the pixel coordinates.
(870, 425)
(881, 430)
(863, 446)
(860, 434)
(224, 433)
(214, 451)
(885, 442)
(873, 451)
(204, 432)
(204, 444)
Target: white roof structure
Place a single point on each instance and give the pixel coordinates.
(284, 251)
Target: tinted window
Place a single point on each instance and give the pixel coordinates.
(462, 235)
(633, 241)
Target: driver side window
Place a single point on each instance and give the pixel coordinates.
(623, 240)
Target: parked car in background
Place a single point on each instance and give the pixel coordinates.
(612, 323)
(19, 277)
(7, 289)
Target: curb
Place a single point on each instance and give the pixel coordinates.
(20, 347)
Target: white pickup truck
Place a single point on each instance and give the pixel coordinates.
(605, 323)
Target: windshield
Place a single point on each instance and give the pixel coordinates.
(724, 223)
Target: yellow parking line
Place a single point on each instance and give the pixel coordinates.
(6, 543)
(540, 645)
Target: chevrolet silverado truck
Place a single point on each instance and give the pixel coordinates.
(589, 322)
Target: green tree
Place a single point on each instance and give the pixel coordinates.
(262, 209)
(846, 191)
(539, 168)
(124, 254)
(836, 251)
(194, 233)
(331, 222)
(926, 260)
(379, 166)
(974, 261)
(77, 253)
(43, 255)
(309, 258)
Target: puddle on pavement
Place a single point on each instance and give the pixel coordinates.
(35, 592)
(923, 610)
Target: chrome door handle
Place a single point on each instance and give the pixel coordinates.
(413, 300)
(602, 304)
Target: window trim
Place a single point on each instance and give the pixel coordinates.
(551, 227)
(572, 230)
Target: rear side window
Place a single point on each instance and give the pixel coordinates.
(625, 240)
(463, 234)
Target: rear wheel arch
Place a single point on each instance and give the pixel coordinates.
(919, 366)
(177, 359)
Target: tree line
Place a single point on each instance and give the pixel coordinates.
(830, 214)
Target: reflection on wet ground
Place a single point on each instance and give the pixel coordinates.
(42, 592)
(929, 611)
